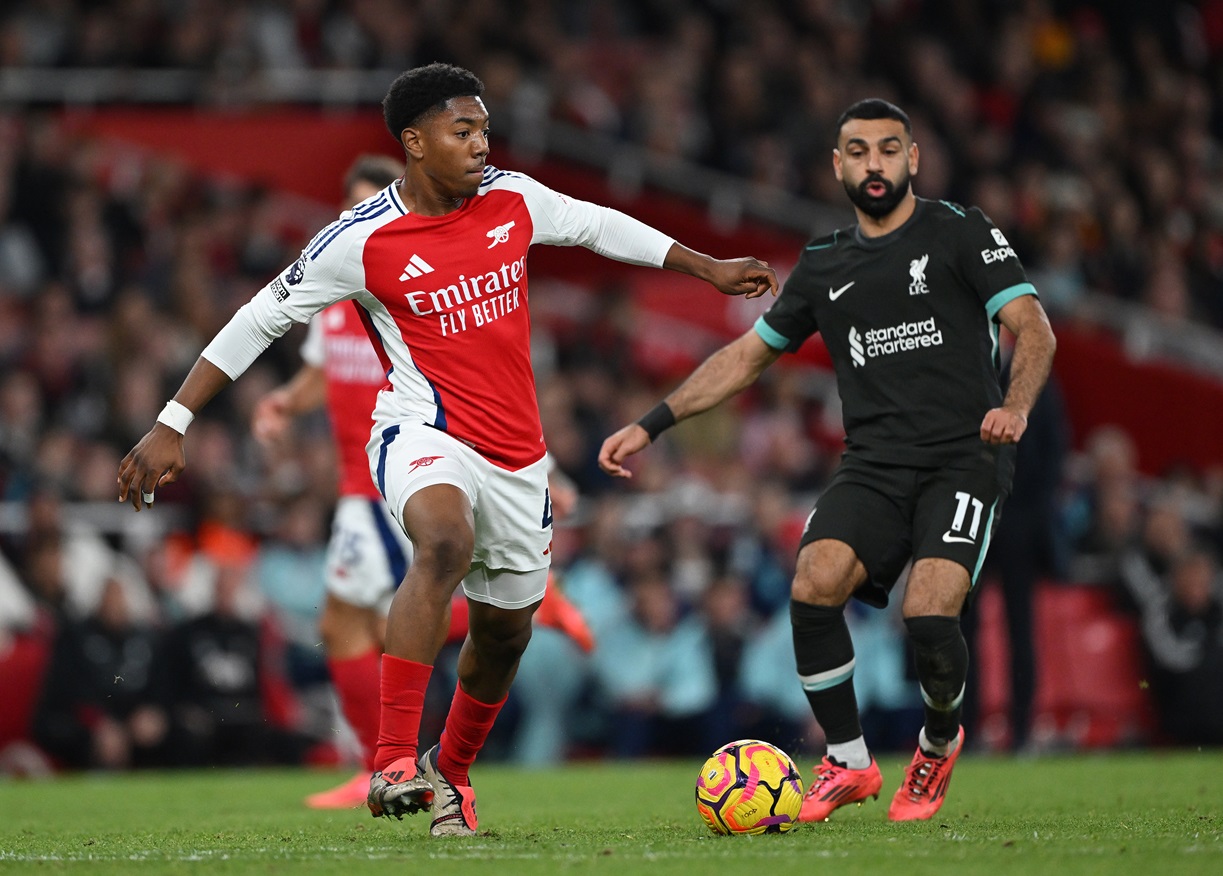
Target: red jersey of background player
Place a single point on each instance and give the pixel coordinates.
(337, 343)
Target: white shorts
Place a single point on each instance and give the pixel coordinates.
(512, 510)
(368, 553)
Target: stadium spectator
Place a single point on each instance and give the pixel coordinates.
(227, 698)
(1183, 632)
(655, 667)
(729, 626)
(104, 695)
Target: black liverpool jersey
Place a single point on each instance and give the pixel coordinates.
(910, 321)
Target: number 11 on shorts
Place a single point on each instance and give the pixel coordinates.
(961, 511)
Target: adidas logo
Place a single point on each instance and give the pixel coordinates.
(416, 267)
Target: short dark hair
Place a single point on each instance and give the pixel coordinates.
(377, 170)
(874, 108)
(418, 91)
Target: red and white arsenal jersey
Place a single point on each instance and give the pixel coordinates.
(337, 343)
(444, 299)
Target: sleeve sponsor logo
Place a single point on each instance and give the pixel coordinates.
(1004, 250)
(295, 274)
(989, 256)
(279, 290)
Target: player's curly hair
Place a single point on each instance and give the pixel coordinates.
(875, 108)
(417, 92)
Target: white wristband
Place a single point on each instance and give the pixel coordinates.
(176, 416)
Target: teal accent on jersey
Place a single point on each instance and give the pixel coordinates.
(828, 245)
(994, 354)
(954, 208)
(1006, 296)
(770, 335)
(989, 532)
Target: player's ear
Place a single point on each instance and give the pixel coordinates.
(914, 159)
(412, 142)
(836, 163)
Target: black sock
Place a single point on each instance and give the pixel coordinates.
(822, 647)
(942, 667)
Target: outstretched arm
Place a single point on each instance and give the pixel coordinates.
(1030, 364)
(746, 276)
(727, 372)
(158, 457)
(564, 221)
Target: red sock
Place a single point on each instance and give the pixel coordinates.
(356, 684)
(403, 702)
(467, 726)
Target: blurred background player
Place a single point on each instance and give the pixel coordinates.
(368, 552)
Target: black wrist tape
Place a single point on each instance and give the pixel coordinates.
(657, 420)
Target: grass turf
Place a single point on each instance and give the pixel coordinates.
(1138, 813)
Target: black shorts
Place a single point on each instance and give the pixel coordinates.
(890, 514)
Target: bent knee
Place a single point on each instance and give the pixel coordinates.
(827, 573)
(444, 552)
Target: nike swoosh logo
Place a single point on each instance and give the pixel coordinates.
(949, 538)
(833, 296)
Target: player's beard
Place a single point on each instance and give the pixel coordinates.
(878, 207)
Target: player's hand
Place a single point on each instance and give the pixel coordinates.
(157, 459)
(747, 276)
(620, 447)
(1003, 426)
(271, 419)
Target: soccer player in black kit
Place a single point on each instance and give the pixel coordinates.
(909, 302)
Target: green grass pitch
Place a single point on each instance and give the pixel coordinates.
(1141, 813)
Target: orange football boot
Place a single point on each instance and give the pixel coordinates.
(925, 786)
(836, 785)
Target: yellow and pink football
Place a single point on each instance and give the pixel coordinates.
(749, 787)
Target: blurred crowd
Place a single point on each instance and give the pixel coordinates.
(1089, 132)
(1088, 128)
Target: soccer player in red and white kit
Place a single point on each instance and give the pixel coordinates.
(368, 552)
(437, 264)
